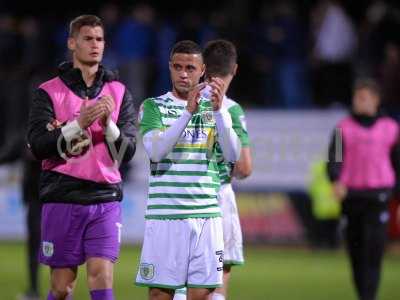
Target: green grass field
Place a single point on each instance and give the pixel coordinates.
(276, 274)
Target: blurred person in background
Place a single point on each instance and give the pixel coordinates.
(289, 37)
(221, 24)
(34, 60)
(364, 166)
(15, 114)
(379, 51)
(110, 15)
(371, 39)
(220, 58)
(134, 44)
(281, 42)
(390, 78)
(30, 196)
(325, 208)
(11, 78)
(262, 57)
(59, 35)
(194, 27)
(166, 37)
(81, 125)
(335, 43)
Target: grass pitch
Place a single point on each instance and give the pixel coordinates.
(269, 273)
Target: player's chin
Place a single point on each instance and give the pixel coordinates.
(182, 89)
(92, 61)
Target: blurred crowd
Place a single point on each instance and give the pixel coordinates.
(290, 56)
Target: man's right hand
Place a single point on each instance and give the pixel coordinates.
(193, 98)
(90, 113)
(339, 190)
(109, 107)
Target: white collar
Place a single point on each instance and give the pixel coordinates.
(176, 99)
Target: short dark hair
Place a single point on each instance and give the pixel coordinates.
(367, 83)
(186, 47)
(220, 58)
(84, 20)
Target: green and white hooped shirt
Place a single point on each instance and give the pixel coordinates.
(185, 183)
(239, 126)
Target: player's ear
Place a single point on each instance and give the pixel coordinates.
(71, 43)
(203, 69)
(235, 68)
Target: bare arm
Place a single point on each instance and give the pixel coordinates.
(244, 166)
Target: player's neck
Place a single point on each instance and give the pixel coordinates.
(181, 96)
(88, 72)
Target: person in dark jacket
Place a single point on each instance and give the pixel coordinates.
(364, 166)
(81, 126)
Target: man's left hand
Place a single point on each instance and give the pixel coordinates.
(217, 92)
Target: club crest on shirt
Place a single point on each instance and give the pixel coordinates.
(54, 124)
(48, 249)
(207, 117)
(146, 271)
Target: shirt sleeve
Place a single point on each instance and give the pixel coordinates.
(123, 133)
(44, 138)
(149, 117)
(239, 124)
(159, 144)
(227, 137)
(335, 155)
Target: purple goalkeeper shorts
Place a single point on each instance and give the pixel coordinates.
(72, 233)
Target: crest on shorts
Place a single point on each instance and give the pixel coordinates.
(146, 271)
(48, 249)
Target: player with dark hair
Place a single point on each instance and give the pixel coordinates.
(81, 126)
(220, 58)
(183, 133)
